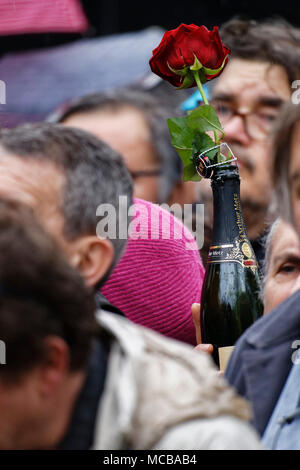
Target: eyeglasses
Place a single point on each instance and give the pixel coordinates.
(258, 123)
(145, 173)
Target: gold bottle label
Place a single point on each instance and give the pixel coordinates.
(240, 252)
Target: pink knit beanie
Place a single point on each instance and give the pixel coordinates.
(160, 274)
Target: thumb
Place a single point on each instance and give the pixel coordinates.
(196, 320)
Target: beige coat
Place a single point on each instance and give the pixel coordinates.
(162, 394)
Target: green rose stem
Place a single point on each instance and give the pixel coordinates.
(205, 101)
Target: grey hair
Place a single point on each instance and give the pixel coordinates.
(267, 243)
(94, 173)
(155, 114)
(282, 133)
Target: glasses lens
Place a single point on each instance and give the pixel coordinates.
(258, 126)
(223, 110)
(258, 123)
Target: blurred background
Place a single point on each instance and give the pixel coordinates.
(129, 16)
(52, 51)
(119, 16)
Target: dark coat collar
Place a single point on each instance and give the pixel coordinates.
(262, 359)
(280, 325)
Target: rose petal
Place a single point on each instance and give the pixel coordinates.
(179, 47)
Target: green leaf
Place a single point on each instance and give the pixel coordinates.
(185, 154)
(189, 140)
(182, 138)
(204, 118)
(222, 157)
(187, 82)
(190, 173)
(202, 142)
(229, 155)
(202, 76)
(196, 65)
(214, 71)
(181, 72)
(176, 127)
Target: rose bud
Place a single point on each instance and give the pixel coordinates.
(186, 49)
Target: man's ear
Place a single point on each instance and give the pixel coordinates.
(184, 192)
(93, 257)
(55, 365)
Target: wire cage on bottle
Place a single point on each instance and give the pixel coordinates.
(205, 168)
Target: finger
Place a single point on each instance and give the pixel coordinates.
(207, 348)
(196, 320)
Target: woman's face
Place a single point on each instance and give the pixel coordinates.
(283, 276)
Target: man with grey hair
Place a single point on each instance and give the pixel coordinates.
(65, 174)
(72, 383)
(77, 381)
(263, 366)
(134, 123)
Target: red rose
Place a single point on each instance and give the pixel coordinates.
(185, 47)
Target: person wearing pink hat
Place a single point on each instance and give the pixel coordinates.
(160, 274)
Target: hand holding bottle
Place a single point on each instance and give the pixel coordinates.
(208, 348)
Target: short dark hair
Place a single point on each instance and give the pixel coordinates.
(155, 113)
(272, 40)
(41, 294)
(94, 173)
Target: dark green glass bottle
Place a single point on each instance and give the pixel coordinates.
(230, 300)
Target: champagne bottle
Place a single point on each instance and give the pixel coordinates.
(230, 300)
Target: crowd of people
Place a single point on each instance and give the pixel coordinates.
(101, 323)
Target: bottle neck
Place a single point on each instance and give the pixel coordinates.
(228, 218)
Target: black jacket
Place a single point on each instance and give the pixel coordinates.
(262, 359)
(102, 302)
